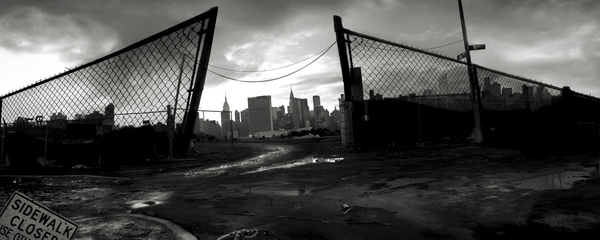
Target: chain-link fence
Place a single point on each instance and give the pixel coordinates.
(502, 91)
(146, 84)
(395, 71)
(425, 94)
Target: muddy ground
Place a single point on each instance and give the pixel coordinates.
(314, 189)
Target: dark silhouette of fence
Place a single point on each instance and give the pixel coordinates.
(144, 94)
(395, 93)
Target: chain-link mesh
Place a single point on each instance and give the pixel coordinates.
(129, 88)
(432, 97)
(395, 71)
(500, 91)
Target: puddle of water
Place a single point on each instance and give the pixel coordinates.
(541, 181)
(274, 151)
(401, 182)
(297, 163)
(157, 198)
(570, 222)
(561, 180)
(281, 190)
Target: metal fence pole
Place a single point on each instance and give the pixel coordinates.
(46, 142)
(2, 134)
(477, 136)
(178, 85)
(200, 78)
(346, 78)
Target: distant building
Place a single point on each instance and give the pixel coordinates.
(244, 125)
(244, 115)
(336, 120)
(225, 120)
(486, 84)
(260, 114)
(316, 101)
(58, 121)
(212, 127)
(109, 115)
(298, 111)
(281, 112)
(495, 89)
(304, 110)
(275, 113)
(104, 122)
(200, 126)
(506, 93)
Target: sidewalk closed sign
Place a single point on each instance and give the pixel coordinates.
(24, 219)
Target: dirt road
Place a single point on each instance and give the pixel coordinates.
(314, 189)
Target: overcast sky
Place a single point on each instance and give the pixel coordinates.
(556, 42)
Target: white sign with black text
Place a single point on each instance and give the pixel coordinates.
(24, 219)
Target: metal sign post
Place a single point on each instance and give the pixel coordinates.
(477, 47)
(477, 135)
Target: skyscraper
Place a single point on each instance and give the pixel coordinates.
(298, 110)
(305, 117)
(260, 114)
(294, 110)
(225, 118)
(316, 101)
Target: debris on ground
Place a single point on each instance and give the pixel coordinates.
(346, 208)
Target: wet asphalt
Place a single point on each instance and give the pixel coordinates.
(315, 189)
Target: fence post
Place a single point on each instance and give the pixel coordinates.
(526, 97)
(346, 78)
(2, 133)
(192, 114)
(477, 136)
(170, 130)
(344, 122)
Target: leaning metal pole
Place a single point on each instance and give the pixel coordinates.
(347, 79)
(477, 136)
(2, 134)
(192, 116)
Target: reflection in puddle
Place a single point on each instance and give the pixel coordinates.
(561, 180)
(296, 163)
(282, 190)
(274, 152)
(537, 181)
(158, 198)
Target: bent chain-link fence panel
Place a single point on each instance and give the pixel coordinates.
(501, 91)
(130, 88)
(396, 71)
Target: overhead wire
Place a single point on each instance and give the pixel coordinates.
(273, 69)
(443, 45)
(277, 78)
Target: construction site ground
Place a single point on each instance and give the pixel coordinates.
(313, 188)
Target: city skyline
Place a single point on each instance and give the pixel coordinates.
(552, 42)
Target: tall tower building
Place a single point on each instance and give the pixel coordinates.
(260, 114)
(304, 116)
(294, 111)
(225, 118)
(316, 101)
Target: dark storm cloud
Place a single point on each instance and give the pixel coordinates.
(551, 41)
(72, 37)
